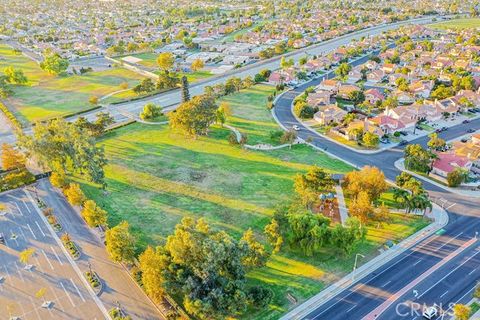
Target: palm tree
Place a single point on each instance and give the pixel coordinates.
(419, 202)
(401, 196)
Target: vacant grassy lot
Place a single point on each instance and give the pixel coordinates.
(47, 96)
(465, 23)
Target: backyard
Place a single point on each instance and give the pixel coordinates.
(156, 177)
(46, 96)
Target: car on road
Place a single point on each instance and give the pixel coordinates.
(296, 128)
(464, 140)
(2, 239)
(403, 143)
(403, 133)
(430, 312)
(466, 121)
(471, 130)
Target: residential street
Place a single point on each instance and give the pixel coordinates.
(362, 298)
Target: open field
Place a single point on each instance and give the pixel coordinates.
(465, 23)
(47, 96)
(156, 177)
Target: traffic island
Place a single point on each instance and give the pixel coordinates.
(71, 246)
(94, 281)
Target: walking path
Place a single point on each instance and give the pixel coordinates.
(342, 208)
(440, 218)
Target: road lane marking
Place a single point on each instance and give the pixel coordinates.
(57, 299)
(56, 255)
(25, 204)
(23, 234)
(18, 208)
(19, 272)
(30, 228)
(48, 260)
(450, 206)
(472, 271)
(68, 295)
(35, 308)
(40, 229)
(351, 308)
(378, 274)
(456, 268)
(6, 271)
(38, 264)
(386, 283)
(417, 262)
(78, 291)
(443, 294)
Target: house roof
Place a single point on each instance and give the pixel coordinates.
(447, 162)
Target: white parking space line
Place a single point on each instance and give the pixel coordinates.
(38, 264)
(6, 271)
(35, 308)
(30, 228)
(46, 258)
(78, 291)
(444, 294)
(57, 299)
(40, 229)
(19, 271)
(25, 204)
(56, 255)
(472, 271)
(68, 295)
(386, 283)
(18, 208)
(354, 306)
(417, 262)
(23, 234)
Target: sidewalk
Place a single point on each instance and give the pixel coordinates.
(440, 217)
(342, 208)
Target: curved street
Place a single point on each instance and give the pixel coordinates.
(445, 285)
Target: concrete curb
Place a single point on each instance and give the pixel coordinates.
(400, 165)
(441, 219)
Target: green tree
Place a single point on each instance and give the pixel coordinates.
(197, 64)
(93, 214)
(272, 231)
(361, 207)
(152, 263)
(53, 63)
(120, 243)
(418, 159)
(343, 70)
(194, 117)
(368, 179)
(456, 177)
(165, 61)
(255, 254)
(370, 139)
(461, 311)
(309, 186)
(74, 194)
(289, 137)
(150, 111)
(185, 90)
(15, 76)
(435, 142)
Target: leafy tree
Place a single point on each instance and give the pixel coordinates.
(146, 85)
(62, 145)
(303, 110)
(461, 311)
(185, 90)
(220, 116)
(357, 96)
(368, 179)
(370, 139)
(435, 142)
(418, 159)
(272, 231)
(150, 111)
(53, 63)
(5, 90)
(309, 186)
(74, 194)
(25, 255)
(11, 158)
(58, 179)
(152, 263)
(120, 243)
(165, 61)
(255, 254)
(289, 137)
(194, 117)
(456, 177)
(260, 297)
(93, 214)
(343, 70)
(197, 64)
(361, 207)
(15, 76)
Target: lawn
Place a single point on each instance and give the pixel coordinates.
(250, 115)
(464, 23)
(47, 96)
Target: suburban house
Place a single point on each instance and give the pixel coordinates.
(374, 95)
(280, 77)
(363, 125)
(329, 85)
(321, 97)
(447, 105)
(421, 88)
(354, 75)
(388, 124)
(376, 76)
(330, 114)
(345, 90)
(447, 162)
(403, 97)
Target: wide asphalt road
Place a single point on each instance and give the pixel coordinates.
(434, 260)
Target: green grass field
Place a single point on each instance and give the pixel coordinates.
(465, 23)
(47, 96)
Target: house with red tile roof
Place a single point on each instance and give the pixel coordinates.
(373, 95)
(447, 162)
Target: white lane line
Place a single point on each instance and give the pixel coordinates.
(19, 271)
(412, 251)
(443, 278)
(68, 295)
(472, 271)
(78, 291)
(38, 264)
(35, 308)
(23, 234)
(450, 206)
(40, 229)
(18, 208)
(25, 204)
(443, 294)
(30, 228)
(56, 255)
(48, 260)
(386, 283)
(417, 262)
(6, 271)
(57, 299)
(354, 306)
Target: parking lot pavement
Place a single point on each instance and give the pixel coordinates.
(52, 271)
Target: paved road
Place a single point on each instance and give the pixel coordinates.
(118, 286)
(52, 269)
(371, 292)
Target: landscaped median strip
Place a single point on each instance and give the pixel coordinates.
(343, 284)
(387, 303)
(67, 255)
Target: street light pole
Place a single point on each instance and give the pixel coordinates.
(355, 264)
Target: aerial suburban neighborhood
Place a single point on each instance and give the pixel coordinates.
(254, 160)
